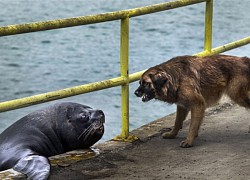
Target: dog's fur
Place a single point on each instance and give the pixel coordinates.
(195, 83)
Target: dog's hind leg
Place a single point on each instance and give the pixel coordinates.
(181, 115)
(243, 100)
(239, 92)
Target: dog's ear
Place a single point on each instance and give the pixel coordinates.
(159, 79)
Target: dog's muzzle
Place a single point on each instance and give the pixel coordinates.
(145, 96)
(138, 93)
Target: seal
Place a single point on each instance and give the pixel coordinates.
(26, 145)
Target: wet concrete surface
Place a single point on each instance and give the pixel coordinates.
(222, 151)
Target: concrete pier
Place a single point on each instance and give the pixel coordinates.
(222, 151)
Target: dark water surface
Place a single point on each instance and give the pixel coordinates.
(46, 61)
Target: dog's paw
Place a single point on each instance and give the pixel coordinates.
(186, 144)
(168, 135)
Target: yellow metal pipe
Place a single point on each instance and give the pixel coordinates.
(231, 45)
(124, 67)
(161, 7)
(208, 25)
(68, 92)
(136, 76)
(226, 47)
(91, 19)
(54, 95)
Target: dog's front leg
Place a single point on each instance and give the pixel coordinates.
(197, 114)
(181, 115)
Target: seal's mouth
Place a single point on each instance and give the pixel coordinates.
(96, 127)
(101, 129)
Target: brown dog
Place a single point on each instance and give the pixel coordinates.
(195, 83)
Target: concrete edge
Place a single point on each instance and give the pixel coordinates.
(144, 133)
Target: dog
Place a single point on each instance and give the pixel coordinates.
(195, 83)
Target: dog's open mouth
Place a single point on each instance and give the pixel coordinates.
(146, 97)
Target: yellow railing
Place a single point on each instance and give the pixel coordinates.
(125, 77)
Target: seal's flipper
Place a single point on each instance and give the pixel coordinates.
(34, 167)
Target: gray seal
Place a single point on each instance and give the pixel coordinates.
(26, 145)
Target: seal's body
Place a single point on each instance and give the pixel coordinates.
(26, 144)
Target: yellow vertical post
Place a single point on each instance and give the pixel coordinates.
(124, 67)
(208, 26)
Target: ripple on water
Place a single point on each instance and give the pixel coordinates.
(13, 65)
(26, 92)
(74, 81)
(46, 42)
(14, 48)
(14, 80)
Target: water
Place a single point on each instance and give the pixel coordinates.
(52, 60)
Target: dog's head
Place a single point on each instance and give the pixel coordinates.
(151, 84)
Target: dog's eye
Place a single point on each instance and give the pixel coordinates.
(147, 84)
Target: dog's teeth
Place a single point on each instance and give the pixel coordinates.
(144, 97)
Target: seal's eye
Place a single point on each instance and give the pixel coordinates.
(84, 117)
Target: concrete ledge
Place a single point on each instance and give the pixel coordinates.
(60, 163)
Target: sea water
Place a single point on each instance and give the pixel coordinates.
(52, 60)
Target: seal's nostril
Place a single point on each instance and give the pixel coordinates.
(102, 119)
(99, 115)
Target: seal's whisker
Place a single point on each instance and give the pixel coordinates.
(85, 131)
(96, 125)
(90, 130)
(89, 134)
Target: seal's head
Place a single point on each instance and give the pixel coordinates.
(80, 126)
